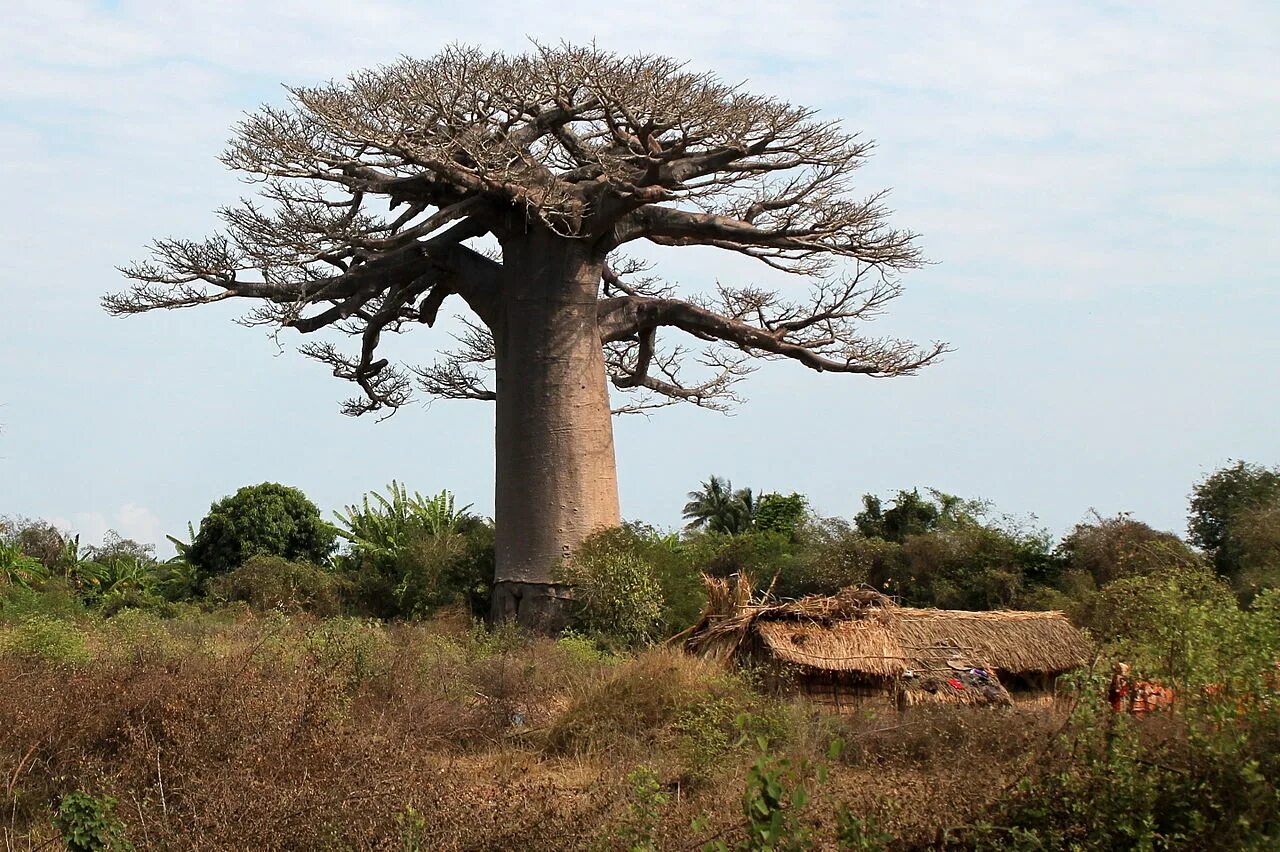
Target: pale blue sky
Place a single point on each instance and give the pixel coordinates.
(1098, 185)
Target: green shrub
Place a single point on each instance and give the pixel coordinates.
(271, 582)
(617, 597)
(646, 800)
(706, 733)
(52, 598)
(354, 648)
(831, 556)
(137, 634)
(410, 555)
(89, 824)
(672, 563)
(859, 834)
(717, 724)
(581, 648)
(41, 638)
(260, 520)
(759, 554)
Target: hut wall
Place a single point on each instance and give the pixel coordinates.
(842, 691)
(1031, 688)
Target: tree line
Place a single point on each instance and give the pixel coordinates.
(403, 555)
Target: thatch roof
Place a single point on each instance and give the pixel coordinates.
(862, 631)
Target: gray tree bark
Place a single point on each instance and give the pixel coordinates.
(556, 477)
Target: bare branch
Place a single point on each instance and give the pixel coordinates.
(827, 345)
(458, 374)
(370, 186)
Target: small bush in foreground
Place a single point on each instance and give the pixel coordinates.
(89, 824)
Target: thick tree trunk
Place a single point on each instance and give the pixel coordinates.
(556, 477)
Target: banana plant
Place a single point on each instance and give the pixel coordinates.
(183, 547)
(384, 525)
(18, 569)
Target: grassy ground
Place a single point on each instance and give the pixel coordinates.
(239, 731)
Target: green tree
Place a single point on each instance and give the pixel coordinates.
(1222, 497)
(1115, 548)
(718, 508)
(1168, 623)
(1253, 539)
(910, 514)
(268, 520)
(781, 514)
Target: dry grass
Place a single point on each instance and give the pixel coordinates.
(287, 733)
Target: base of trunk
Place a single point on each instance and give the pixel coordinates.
(543, 608)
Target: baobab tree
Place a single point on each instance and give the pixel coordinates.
(515, 183)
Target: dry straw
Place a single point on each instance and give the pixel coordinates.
(862, 631)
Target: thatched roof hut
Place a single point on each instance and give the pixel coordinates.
(860, 643)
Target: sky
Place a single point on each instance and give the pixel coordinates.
(1096, 185)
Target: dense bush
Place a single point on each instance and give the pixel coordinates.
(828, 554)
(90, 824)
(409, 555)
(1115, 548)
(1205, 777)
(1254, 542)
(274, 583)
(267, 520)
(673, 564)
(781, 513)
(617, 598)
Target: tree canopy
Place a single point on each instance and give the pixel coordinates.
(373, 189)
(260, 520)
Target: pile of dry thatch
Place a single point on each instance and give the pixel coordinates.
(864, 632)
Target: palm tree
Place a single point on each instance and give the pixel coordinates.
(719, 508)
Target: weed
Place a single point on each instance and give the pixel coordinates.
(89, 824)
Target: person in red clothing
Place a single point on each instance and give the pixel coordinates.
(1118, 692)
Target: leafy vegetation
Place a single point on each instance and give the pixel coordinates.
(89, 824)
(277, 676)
(1233, 515)
(267, 519)
(408, 554)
